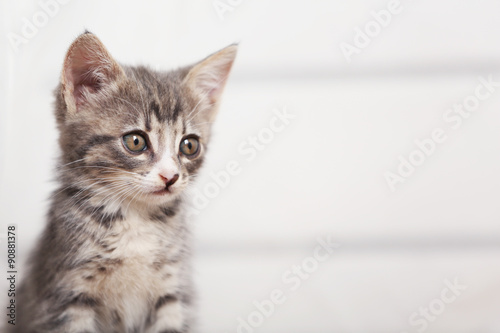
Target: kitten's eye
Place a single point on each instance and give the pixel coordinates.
(190, 147)
(134, 142)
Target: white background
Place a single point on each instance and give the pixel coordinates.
(323, 175)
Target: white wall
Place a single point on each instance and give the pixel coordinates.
(323, 174)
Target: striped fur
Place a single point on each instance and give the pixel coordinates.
(114, 254)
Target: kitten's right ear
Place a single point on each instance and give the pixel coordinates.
(88, 71)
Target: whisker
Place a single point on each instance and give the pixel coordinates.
(126, 209)
(107, 168)
(76, 161)
(95, 194)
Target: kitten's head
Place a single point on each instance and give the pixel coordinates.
(131, 133)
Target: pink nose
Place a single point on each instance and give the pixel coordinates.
(171, 181)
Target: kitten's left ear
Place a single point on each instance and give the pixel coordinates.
(207, 79)
(88, 72)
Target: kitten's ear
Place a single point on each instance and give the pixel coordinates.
(88, 71)
(207, 79)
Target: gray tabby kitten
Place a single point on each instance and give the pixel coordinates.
(114, 255)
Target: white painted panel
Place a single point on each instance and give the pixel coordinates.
(351, 292)
(275, 36)
(325, 171)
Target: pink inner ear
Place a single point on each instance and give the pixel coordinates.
(210, 76)
(88, 67)
(84, 75)
(210, 85)
(85, 82)
(212, 81)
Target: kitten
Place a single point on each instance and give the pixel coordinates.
(114, 254)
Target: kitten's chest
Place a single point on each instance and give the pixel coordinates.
(135, 239)
(137, 266)
(139, 248)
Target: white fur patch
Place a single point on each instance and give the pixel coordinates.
(83, 320)
(170, 317)
(134, 286)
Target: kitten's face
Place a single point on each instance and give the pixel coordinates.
(144, 141)
(130, 134)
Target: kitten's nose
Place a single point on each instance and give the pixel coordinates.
(171, 181)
